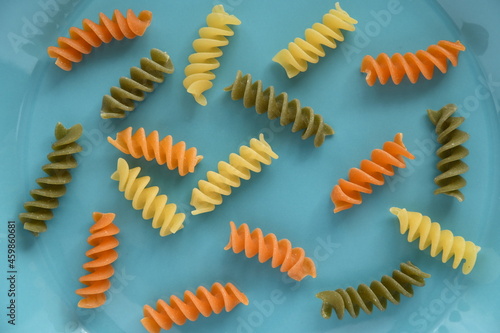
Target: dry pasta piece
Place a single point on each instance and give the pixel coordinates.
(292, 260)
(389, 288)
(153, 206)
(53, 186)
(410, 64)
(82, 41)
(265, 100)
(103, 254)
(294, 59)
(210, 191)
(151, 147)
(207, 48)
(348, 192)
(430, 234)
(451, 152)
(204, 302)
(134, 89)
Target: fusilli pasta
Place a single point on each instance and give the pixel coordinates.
(292, 260)
(265, 100)
(151, 147)
(81, 41)
(451, 152)
(207, 48)
(348, 192)
(204, 302)
(153, 206)
(389, 288)
(294, 59)
(430, 234)
(54, 185)
(133, 89)
(103, 255)
(411, 64)
(210, 191)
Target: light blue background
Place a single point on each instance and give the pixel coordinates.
(289, 198)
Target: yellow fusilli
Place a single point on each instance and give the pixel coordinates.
(209, 194)
(294, 59)
(207, 49)
(430, 234)
(153, 206)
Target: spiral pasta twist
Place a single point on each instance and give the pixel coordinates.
(54, 185)
(348, 192)
(203, 302)
(411, 65)
(250, 158)
(451, 152)
(151, 147)
(378, 293)
(430, 234)
(294, 59)
(81, 42)
(292, 260)
(265, 100)
(153, 206)
(207, 48)
(133, 89)
(103, 255)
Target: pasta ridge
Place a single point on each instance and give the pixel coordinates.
(207, 48)
(145, 198)
(134, 88)
(265, 100)
(204, 302)
(103, 255)
(451, 152)
(430, 234)
(209, 192)
(410, 64)
(150, 147)
(300, 52)
(82, 41)
(371, 172)
(53, 186)
(292, 260)
(389, 288)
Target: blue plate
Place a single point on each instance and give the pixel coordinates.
(289, 198)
